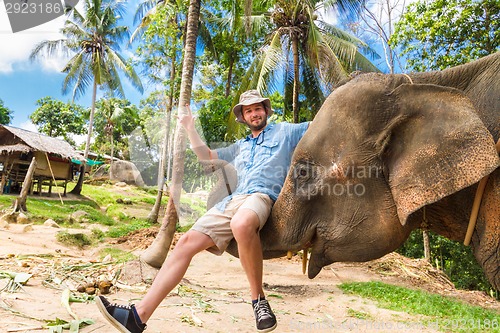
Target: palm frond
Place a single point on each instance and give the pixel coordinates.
(145, 9)
(51, 47)
(78, 75)
(130, 73)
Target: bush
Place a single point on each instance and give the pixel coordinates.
(455, 259)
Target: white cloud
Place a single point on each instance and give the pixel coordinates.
(29, 126)
(79, 139)
(18, 46)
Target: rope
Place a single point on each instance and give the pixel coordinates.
(409, 78)
(54, 178)
(477, 204)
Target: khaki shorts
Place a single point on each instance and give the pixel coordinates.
(216, 224)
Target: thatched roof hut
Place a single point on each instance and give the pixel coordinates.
(18, 147)
(14, 139)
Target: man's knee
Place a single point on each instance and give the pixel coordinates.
(193, 242)
(245, 224)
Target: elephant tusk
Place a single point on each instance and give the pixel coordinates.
(289, 255)
(304, 260)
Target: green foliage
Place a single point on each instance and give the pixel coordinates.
(455, 259)
(445, 314)
(58, 119)
(439, 34)
(213, 118)
(304, 49)
(115, 119)
(160, 52)
(194, 175)
(5, 114)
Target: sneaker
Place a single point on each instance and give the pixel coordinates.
(264, 316)
(123, 317)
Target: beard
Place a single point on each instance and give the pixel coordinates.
(257, 126)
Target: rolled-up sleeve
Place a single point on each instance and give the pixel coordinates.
(228, 154)
(296, 131)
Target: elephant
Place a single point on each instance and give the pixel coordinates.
(390, 153)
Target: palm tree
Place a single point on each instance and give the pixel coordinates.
(303, 48)
(93, 40)
(156, 253)
(115, 118)
(171, 14)
(166, 49)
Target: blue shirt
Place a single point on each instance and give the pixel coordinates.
(262, 163)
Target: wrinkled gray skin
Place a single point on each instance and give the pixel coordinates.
(384, 149)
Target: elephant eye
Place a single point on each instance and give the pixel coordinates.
(302, 172)
(305, 175)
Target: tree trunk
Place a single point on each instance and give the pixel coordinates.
(78, 187)
(20, 204)
(427, 245)
(229, 76)
(155, 254)
(296, 78)
(112, 154)
(164, 165)
(155, 212)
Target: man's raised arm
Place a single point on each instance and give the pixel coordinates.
(198, 146)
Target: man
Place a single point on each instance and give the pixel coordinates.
(262, 160)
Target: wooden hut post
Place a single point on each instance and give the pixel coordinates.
(20, 204)
(4, 174)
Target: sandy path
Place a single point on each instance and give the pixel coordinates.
(212, 298)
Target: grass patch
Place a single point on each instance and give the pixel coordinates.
(118, 255)
(79, 239)
(445, 314)
(125, 229)
(39, 210)
(359, 314)
(103, 196)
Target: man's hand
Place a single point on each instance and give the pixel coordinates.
(187, 120)
(199, 147)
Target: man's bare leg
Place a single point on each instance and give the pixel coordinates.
(172, 271)
(245, 225)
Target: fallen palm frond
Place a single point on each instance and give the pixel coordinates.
(25, 329)
(65, 302)
(58, 325)
(18, 313)
(15, 281)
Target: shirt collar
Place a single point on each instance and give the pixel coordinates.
(265, 130)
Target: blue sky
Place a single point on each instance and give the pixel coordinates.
(22, 82)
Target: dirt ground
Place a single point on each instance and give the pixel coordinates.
(214, 295)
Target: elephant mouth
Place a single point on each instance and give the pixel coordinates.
(312, 249)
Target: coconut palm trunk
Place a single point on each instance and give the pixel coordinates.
(78, 187)
(296, 78)
(156, 253)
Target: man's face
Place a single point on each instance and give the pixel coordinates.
(255, 116)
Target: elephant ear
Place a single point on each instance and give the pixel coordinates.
(434, 146)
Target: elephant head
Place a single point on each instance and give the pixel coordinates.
(386, 153)
(378, 154)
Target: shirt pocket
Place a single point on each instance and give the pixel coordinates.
(269, 148)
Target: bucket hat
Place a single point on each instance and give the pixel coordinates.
(250, 97)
